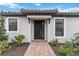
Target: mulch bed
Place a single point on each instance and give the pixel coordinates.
(55, 49)
(20, 51)
(16, 51)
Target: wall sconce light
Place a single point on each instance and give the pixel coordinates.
(49, 20)
(29, 20)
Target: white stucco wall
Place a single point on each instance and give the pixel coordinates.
(24, 28)
(50, 29)
(71, 27)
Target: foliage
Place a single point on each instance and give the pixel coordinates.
(54, 42)
(2, 29)
(3, 46)
(69, 49)
(14, 43)
(76, 37)
(18, 40)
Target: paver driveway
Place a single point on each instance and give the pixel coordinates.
(39, 48)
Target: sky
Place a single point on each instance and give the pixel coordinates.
(62, 7)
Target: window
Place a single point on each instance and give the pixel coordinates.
(59, 27)
(12, 24)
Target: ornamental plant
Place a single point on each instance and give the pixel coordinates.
(54, 42)
(18, 40)
(69, 49)
(3, 46)
(2, 29)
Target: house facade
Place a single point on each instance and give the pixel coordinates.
(41, 24)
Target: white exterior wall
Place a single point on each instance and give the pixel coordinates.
(71, 27)
(50, 29)
(23, 26)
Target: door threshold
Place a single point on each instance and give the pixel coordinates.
(39, 40)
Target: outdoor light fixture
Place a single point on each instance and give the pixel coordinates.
(49, 20)
(29, 20)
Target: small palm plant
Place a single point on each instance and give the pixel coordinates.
(18, 40)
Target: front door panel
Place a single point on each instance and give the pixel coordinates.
(38, 29)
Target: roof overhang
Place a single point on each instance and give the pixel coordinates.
(53, 13)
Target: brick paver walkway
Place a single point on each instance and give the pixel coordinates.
(39, 48)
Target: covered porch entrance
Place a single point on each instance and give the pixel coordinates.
(39, 26)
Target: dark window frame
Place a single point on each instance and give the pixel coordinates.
(12, 24)
(59, 28)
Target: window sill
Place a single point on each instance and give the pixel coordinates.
(59, 36)
(12, 32)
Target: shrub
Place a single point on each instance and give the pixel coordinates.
(3, 35)
(76, 37)
(18, 40)
(54, 42)
(14, 43)
(3, 46)
(69, 49)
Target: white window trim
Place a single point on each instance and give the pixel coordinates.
(64, 27)
(8, 24)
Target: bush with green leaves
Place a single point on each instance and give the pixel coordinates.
(54, 42)
(69, 49)
(76, 37)
(18, 40)
(3, 35)
(3, 46)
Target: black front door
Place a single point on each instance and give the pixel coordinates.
(38, 29)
